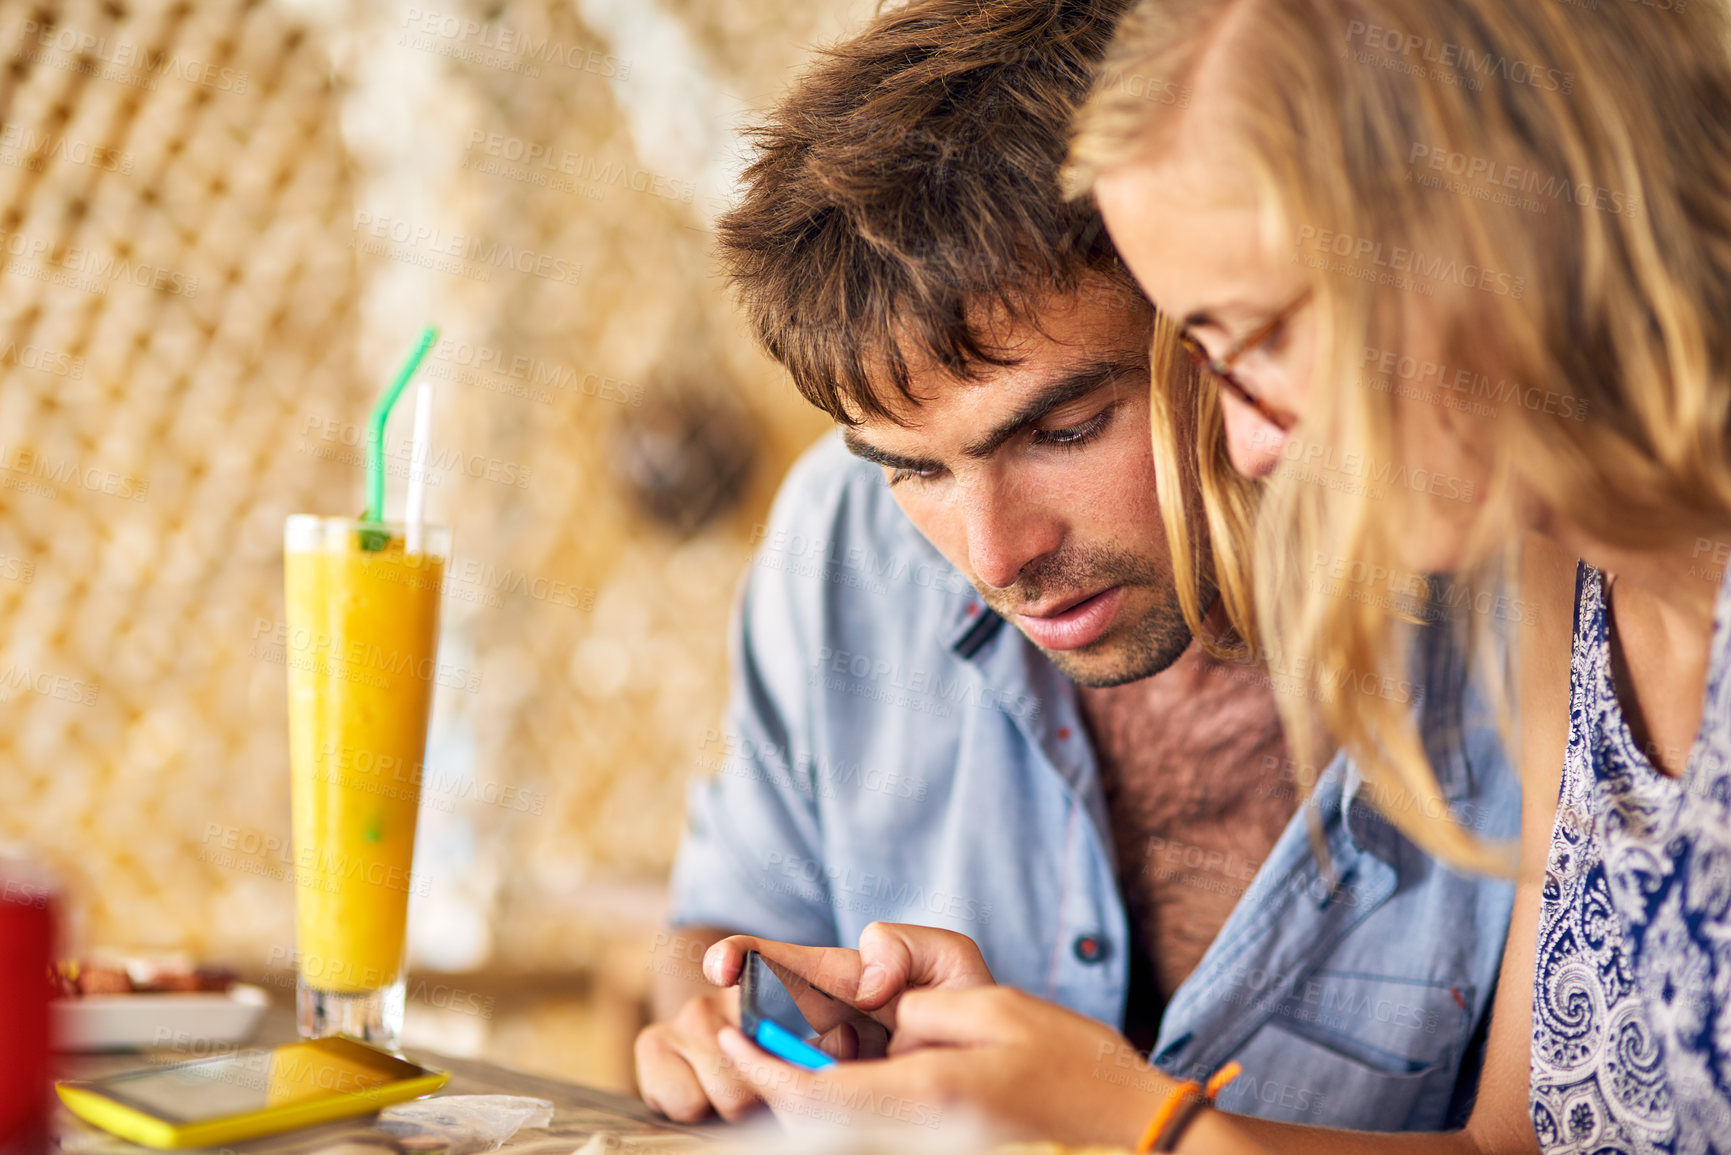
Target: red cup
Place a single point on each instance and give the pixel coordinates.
(26, 955)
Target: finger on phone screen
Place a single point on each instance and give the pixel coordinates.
(832, 970)
(840, 1042)
(724, 960)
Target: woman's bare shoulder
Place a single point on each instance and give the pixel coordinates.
(1548, 586)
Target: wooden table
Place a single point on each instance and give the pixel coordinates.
(581, 1115)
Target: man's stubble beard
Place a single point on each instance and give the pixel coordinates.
(1130, 650)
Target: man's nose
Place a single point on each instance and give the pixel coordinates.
(1007, 529)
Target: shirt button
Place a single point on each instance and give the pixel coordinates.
(1063, 733)
(1090, 949)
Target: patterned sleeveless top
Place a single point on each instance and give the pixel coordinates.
(1632, 992)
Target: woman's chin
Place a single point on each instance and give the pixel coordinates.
(1431, 545)
(1258, 457)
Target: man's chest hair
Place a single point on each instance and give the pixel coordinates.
(1191, 747)
(1191, 767)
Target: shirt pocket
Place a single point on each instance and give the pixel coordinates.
(1366, 1052)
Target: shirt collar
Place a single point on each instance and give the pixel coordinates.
(972, 625)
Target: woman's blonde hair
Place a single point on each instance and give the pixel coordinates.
(1542, 192)
(1209, 514)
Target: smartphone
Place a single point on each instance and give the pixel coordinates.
(245, 1094)
(784, 1014)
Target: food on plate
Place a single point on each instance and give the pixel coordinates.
(108, 975)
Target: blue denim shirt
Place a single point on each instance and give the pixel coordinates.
(894, 750)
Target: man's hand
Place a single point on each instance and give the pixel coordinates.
(1022, 1067)
(682, 1073)
(892, 958)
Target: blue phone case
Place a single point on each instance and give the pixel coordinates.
(762, 998)
(783, 1044)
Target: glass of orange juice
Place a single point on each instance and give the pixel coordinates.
(362, 641)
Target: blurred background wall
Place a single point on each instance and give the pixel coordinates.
(222, 224)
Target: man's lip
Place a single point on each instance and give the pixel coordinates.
(1073, 624)
(1062, 607)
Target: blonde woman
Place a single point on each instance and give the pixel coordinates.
(1457, 274)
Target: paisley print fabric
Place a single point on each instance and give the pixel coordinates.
(1632, 991)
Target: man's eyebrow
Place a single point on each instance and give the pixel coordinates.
(1074, 384)
(859, 447)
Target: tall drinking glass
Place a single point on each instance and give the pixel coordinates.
(27, 941)
(361, 647)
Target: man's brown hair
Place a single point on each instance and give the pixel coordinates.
(906, 191)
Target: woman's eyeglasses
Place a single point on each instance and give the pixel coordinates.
(1221, 370)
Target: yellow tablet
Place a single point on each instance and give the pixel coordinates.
(245, 1094)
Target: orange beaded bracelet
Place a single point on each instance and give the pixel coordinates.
(1180, 1108)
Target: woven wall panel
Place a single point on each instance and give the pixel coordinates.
(194, 319)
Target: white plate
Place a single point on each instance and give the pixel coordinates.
(179, 1021)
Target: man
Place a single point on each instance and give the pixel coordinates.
(965, 695)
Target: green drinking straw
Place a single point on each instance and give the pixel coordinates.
(376, 429)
